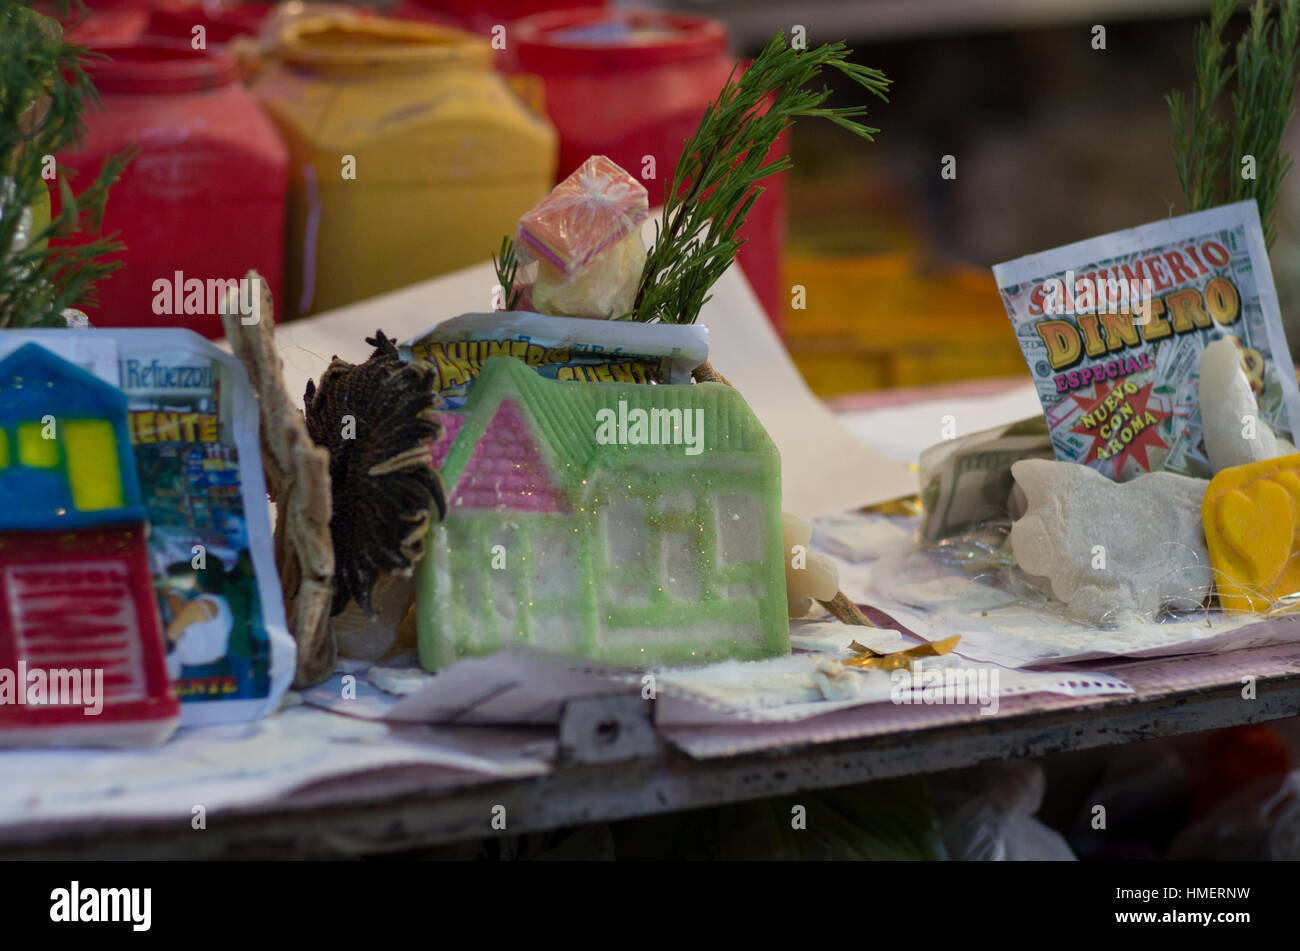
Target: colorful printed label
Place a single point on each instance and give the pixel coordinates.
(181, 429)
(558, 348)
(1113, 329)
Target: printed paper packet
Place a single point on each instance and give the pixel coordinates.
(1113, 329)
(193, 421)
(560, 348)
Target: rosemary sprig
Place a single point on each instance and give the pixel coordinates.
(43, 92)
(1262, 106)
(506, 264)
(1200, 139)
(716, 180)
(1208, 153)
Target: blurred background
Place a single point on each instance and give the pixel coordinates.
(874, 267)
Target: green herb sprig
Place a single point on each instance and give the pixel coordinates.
(1208, 152)
(1200, 139)
(44, 91)
(506, 264)
(1263, 104)
(715, 183)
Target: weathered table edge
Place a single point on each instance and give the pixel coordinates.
(384, 812)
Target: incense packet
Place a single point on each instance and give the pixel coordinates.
(1113, 328)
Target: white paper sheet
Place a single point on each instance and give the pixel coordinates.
(230, 765)
(824, 467)
(523, 687)
(529, 687)
(773, 691)
(95, 353)
(902, 432)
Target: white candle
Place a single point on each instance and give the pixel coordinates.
(807, 576)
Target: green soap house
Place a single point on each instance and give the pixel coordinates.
(628, 523)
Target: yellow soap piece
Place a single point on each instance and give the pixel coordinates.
(606, 287)
(1252, 529)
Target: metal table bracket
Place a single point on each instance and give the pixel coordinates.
(607, 729)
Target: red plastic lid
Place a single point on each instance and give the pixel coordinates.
(148, 65)
(500, 10)
(596, 39)
(222, 22)
(117, 4)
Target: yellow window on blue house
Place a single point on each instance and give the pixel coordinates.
(4, 449)
(34, 448)
(93, 466)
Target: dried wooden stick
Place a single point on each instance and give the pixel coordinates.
(297, 478)
(843, 609)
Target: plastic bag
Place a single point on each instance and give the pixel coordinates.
(987, 815)
(1262, 821)
(586, 238)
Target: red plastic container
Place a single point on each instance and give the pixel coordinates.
(103, 21)
(480, 16)
(204, 199)
(221, 22)
(635, 84)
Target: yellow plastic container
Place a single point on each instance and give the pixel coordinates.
(870, 322)
(409, 155)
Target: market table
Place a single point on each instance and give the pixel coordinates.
(605, 760)
(416, 807)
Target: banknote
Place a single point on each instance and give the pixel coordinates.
(966, 480)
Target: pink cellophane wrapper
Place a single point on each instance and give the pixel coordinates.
(584, 214)
(585, 236)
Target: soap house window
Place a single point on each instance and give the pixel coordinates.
(80, 453)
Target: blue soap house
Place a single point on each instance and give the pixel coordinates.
(75, 589)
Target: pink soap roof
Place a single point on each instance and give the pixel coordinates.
(506, 468)
(451, 424)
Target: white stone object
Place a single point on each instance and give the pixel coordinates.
(399, 681)
(1112, 550)
(1234, 433)
(837, 682)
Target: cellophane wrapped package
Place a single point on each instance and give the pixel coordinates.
(193, 422)
(586, 238)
